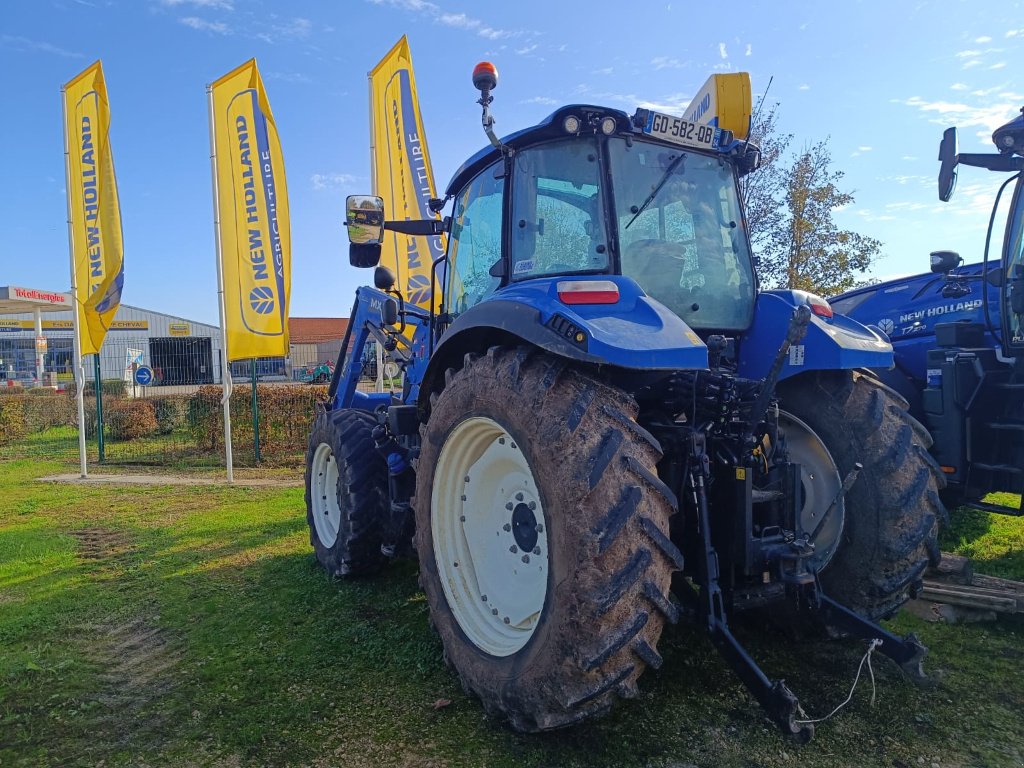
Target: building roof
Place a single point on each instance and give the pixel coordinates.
(313, 330)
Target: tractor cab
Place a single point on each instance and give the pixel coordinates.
(592, 191)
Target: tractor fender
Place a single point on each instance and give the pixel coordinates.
(635, 333)
(831, 343)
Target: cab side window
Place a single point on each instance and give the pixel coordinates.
(475, 244)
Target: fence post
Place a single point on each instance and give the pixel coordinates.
(99, 409)
(255, 413)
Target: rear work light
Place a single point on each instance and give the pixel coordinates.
(587, 292)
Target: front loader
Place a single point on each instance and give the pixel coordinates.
(604, 426)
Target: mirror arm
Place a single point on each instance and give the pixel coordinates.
(992, 162)
(416, 227)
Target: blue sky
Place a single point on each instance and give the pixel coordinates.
(881, 79)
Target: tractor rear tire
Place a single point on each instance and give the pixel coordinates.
(346, 493)
(542, 532)
(892, 512)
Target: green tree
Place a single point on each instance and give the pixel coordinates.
(791, 202)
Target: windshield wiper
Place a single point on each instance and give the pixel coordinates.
(657, 187)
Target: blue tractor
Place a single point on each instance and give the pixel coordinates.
(604, 427)
(959, 347)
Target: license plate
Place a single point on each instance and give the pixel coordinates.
(683, 132)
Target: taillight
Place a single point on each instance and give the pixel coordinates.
(819, 306)
(588, 292)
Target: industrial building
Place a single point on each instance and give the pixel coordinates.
(181, 352)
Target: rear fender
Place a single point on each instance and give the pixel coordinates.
(635, 333)
(836, 343)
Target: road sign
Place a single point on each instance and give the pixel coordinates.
(144, 376)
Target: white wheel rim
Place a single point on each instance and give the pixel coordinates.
(485, 513)
(821, 482)
(324, 493)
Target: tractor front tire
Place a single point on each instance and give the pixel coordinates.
(892, 511)
(542, 532)
(346, 482)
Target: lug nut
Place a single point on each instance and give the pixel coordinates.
(536, 550)
(494, 611)
(463, 497)
(462, 518)
(513, 549)
(519, 497)
(532, 505)
(484, 598)
(506, 620)
(467, 478)
(501, 441)
(526, 558)
(508, 505)
(539, 528)
(506, 527)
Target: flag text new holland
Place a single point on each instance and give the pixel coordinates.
(255, 232)
(401, 171)
(95, 215)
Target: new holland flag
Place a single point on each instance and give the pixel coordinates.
(401, 171)
(97, 252)
(252, 206)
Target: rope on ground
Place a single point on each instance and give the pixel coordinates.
(871, 672)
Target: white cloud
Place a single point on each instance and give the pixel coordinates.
(322, 181)
(968, 54)
(288, 77)
(547, 100)
(983, 39)
(972, 63)
(222, 5)
(804, 87)
(1014, 32)
(526, 49)
(664, 62)
(863, 149)
(721, 51)
(750, 50)
(998, 65)
(24, 44)
(455, 20)
(205, 26)
(958, 87)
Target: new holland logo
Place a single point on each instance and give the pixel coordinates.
(261, 299)
(887, 326)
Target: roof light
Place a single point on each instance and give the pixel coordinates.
(571, 124)
(587, 292)
(608, 126)
(485, 76)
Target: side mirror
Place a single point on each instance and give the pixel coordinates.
(364, 217)
(389, 312)
(948, 151)
(944, 262)
(364, 255)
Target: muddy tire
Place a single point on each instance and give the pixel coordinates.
(892, 512)
(346, 482)
(535, 478)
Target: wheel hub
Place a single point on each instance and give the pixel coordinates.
(524, 527)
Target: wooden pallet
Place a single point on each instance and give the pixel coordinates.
(954, 582)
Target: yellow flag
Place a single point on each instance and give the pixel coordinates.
(252, 206)
(402, 174)
(97, 252)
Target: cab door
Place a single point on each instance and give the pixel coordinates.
(1013, 276)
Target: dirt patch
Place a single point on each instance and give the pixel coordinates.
(101, 543)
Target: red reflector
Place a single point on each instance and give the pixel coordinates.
(588, 292)
(820, 307)
(949, 470)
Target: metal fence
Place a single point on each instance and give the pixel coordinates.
(177, 421)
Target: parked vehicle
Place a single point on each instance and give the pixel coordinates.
(605, 427)
(958, 342)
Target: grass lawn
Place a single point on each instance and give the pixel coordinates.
(192, 626)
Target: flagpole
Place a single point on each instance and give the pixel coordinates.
(75, 320)
(225, 364)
